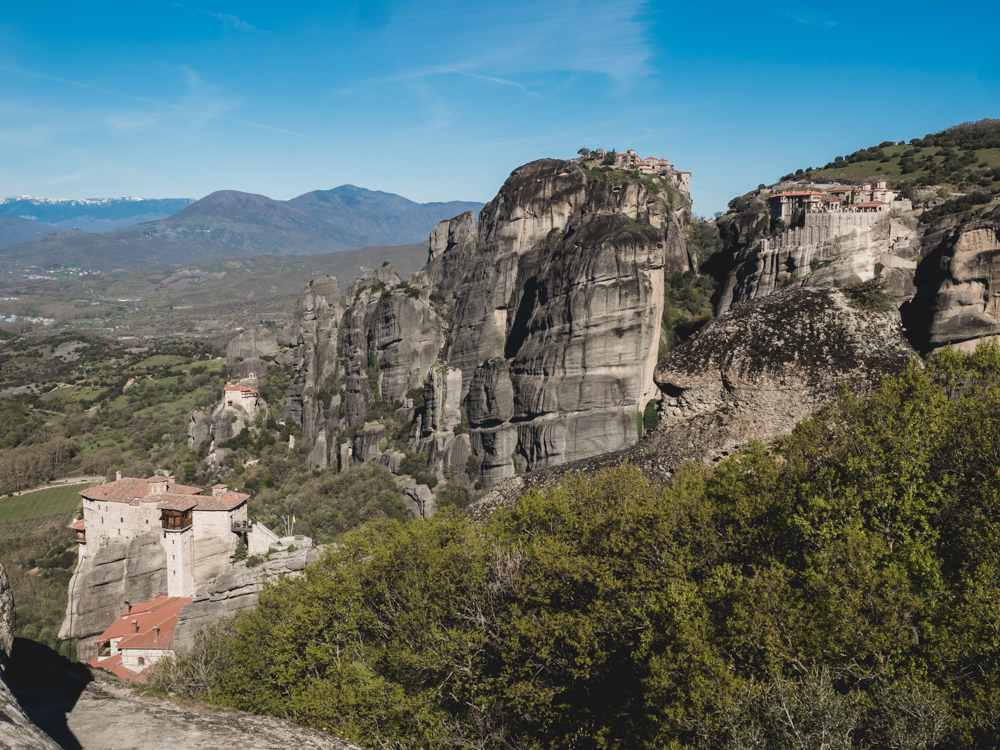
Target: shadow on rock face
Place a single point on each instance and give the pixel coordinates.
(47, 686)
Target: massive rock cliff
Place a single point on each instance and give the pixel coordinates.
(531, 339)
(830, 251)
(751, 374)
(958, 297)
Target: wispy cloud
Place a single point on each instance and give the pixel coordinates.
(807, 19)
(190, 75)
(501, 42)
(487, 79)
(233, 23)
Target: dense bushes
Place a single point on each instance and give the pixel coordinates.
(955, 206)
(844, 584)
(330, 504)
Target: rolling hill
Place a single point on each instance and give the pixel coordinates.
(15, 231)
(231, 224)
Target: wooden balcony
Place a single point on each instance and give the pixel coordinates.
(176, 520)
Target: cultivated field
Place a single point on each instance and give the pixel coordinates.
(56, 501)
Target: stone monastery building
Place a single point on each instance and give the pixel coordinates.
(858, 199)
(649, 165)
(198, 533)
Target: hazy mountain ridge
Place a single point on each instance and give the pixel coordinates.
(15, 230)
(229, 223)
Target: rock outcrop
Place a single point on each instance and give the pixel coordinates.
(119, 571)
(251, 344)
(236, 589)
(541, 324)
(239, 407)
(958, 298)
(17, 731)
(830, 251)
(751, 374)
(757, 371)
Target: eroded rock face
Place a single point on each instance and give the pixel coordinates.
(366, 443)
(199, 429)
(751, 374)
(757, 371)
(840, 249)
(958, 301)
(405, 334)
(101, 583)
(318, 314)
(251, 367)
(542, 323)
(17, 732)
(250, 344)
(452, 245)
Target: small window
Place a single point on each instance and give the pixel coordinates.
(121, 520)
(173, 557)
(142, 661)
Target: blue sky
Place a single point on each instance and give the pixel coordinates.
(440, 100)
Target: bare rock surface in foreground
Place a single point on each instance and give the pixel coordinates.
(81, 709)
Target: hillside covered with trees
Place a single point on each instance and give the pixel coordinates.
(839, 589)
(963, 157)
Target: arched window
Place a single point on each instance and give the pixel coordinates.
(142, 661)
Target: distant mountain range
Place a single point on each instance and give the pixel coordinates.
(88, 214)
(231, 224)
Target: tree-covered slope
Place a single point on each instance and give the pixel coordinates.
(963, 157)
(839, 589)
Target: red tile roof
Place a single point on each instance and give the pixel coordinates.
(241, 388)
(178, 502)
(78, 525)
(225, 501)
(114, 665)
(127, 489)
(796, 194)
(159, 612)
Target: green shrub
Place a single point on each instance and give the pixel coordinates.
(868, 295)
(955, 206)
(650, 416)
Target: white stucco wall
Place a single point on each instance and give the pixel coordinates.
(131, 656)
